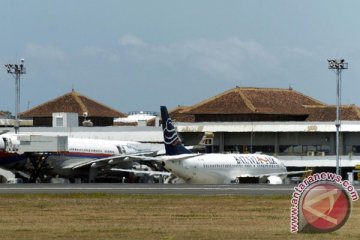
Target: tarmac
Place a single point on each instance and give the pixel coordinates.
(158, 189)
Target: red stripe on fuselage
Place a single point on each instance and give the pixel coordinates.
(7, 154)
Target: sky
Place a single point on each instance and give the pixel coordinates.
(137, 55)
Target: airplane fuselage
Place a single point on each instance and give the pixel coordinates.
(222, 168)
(83, 150)
(79, 150)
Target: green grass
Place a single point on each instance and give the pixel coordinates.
(109, 216)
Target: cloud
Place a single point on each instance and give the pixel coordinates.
(45, 52)
(299, 52)
(219, 62)
(229, 58)
(225, 59)
(92, 51)
(130, 40)
(229, 49)
(133, 63)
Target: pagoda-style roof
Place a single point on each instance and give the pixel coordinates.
(256, 101)
(72, 102)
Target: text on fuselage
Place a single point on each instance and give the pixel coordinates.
(255, 160)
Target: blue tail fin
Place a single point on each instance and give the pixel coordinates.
(172, 142)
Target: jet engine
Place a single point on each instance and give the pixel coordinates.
(275, 180)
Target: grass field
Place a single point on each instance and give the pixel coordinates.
(105, 216)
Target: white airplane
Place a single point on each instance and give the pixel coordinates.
(215, 168)
(88, 158)
(85, 158)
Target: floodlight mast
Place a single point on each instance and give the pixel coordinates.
(338, 66)
(16, 70)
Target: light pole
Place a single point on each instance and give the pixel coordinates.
(338, 66)
(16, 70)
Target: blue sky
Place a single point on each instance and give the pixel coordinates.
(138, 55)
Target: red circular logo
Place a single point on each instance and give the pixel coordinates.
(325, 207)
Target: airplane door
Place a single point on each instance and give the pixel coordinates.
(195, 169)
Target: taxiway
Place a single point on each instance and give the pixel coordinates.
(193, 189)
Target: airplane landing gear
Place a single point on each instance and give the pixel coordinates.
(38, 162)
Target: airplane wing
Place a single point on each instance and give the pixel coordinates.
(296, 172)
(142, 171)
(113, 160)
(274, 178)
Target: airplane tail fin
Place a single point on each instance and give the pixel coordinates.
(172, 142)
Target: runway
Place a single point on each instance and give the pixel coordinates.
(118, 188)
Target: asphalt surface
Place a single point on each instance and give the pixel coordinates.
(118, 188)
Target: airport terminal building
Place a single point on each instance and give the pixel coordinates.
(296, 128)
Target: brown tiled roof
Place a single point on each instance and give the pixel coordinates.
(132, 124)
(72, 102)
(179, 114)
(176, 115)
(328, 113)
(255, 100)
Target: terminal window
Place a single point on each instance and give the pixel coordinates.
(59, 121)
(354, 149)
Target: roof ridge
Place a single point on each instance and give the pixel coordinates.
(306, 96)
(210, 99)
(45, 103)
(316, 106)
(262, 88)
(179, 108)
(247, 102)
(104, 105)
(282, 89)
(78, 99)
(76, 96)
(356, 109)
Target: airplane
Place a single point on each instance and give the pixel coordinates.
(88, 158)
(215, 168)
(85, 158)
